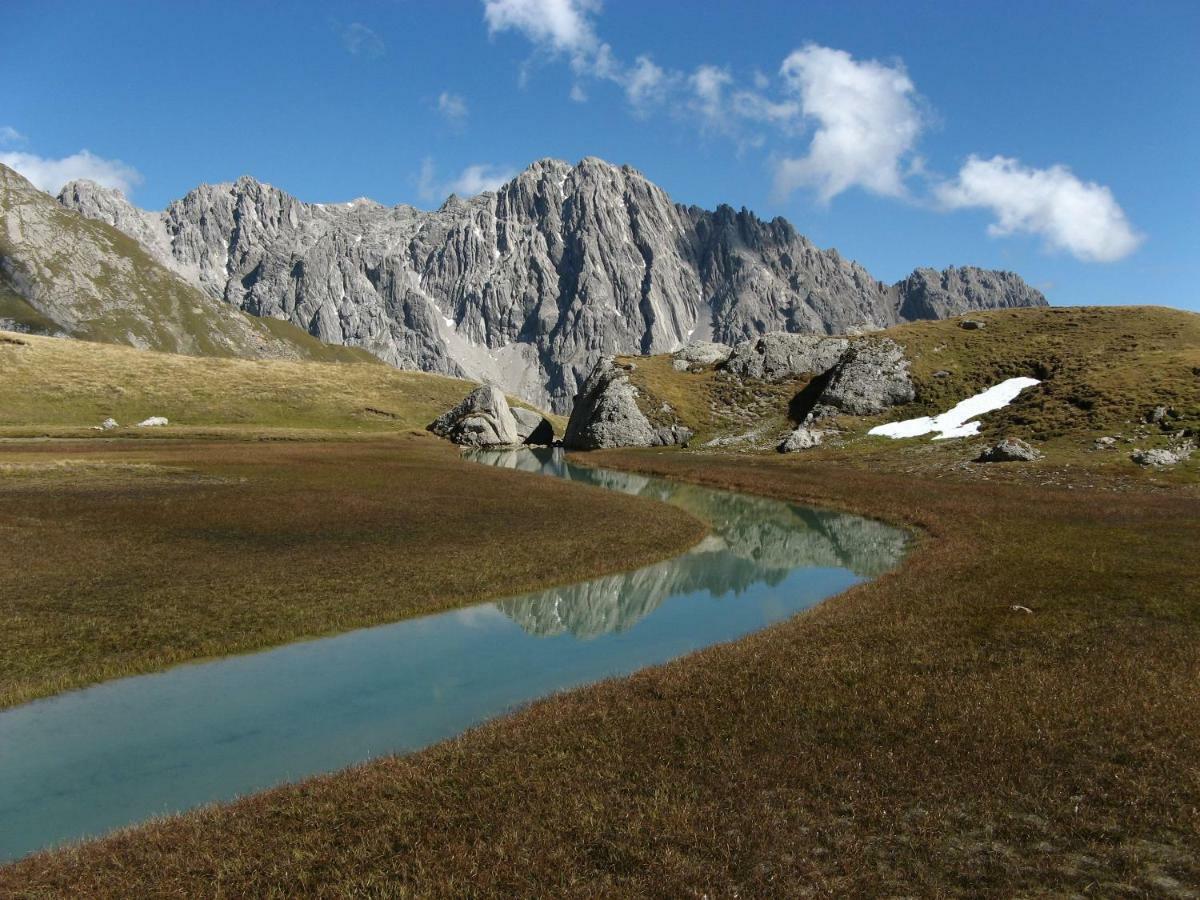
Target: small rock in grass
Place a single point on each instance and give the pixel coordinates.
(109, 424)
(801, 439)
(1009, 450)
(680, 365)
(1156, 415)
(1159, 458)
(971, 324)
(1105, 443)
(153, 422)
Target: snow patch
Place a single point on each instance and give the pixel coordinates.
(449, 322)
(955, 422)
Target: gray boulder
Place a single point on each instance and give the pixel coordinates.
(779, 355)
(533, 427)
(1159, 458)
(606, 414)
(802, 438)
(702, 353)
(1009, 450)
(870, 377)
(482, 419)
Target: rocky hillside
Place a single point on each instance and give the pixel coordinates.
(529, 285)
(1110, 380)
(65, 274)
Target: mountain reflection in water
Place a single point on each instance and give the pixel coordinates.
(754, 540)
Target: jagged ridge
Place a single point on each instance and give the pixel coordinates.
(529, 285)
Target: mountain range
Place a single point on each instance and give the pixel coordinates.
(526, 286)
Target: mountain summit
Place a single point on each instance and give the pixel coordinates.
(529, 285)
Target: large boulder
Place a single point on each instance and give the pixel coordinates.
(702, 353)
(779, 355)
(871, 376)
(482, 419)
(1009, 450)
(606, 414)
(533, 427)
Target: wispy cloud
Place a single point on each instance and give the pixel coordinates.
(50, 175)
(1082, 218)
(10, 136)
(472, 180)
(359, 40)
(453, 108)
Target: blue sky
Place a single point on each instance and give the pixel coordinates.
(1060, 140)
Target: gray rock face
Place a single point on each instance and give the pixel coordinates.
(532, 427)
(606, 413)
(779, 355)
(871, 376)
(1009, 450)
(482, 419)
(528, 286)
(803, 438)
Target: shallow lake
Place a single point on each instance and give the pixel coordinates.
(88, 761)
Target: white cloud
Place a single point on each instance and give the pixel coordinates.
(359, 40)
(50, 175)
(481, 177)
(867, 121)
(1080, 217)
(472, 180)
(708, 85)
(645, 83)
(452, 107)
(10, 136)
(556, 25)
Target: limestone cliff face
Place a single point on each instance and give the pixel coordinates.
(530, 285)
(68, 274)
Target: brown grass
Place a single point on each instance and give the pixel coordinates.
(123, 558)
(916, 736)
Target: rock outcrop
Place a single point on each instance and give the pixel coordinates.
(528, 286)
(779, 355)
(533, 428)
(606, 414)
(1009, 450)
(871, 376)
(703, 353)
(482, 419)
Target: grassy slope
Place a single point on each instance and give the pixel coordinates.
(1103, 370)
(141, 554)
(113, 291)
(64, 387)
(915, 736)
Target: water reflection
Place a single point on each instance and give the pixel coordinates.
(753, 540)
(92, 760)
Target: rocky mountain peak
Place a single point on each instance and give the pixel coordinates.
(528, 286)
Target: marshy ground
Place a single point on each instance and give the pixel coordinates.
(128, 556)
(918, 735)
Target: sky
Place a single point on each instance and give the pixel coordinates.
(1058, 140)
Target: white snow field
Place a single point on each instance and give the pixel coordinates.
(955, 422)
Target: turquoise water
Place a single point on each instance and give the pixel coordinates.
(89, 761)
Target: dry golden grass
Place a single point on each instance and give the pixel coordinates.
(64, 387)
(128, 557)
(916, 736)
